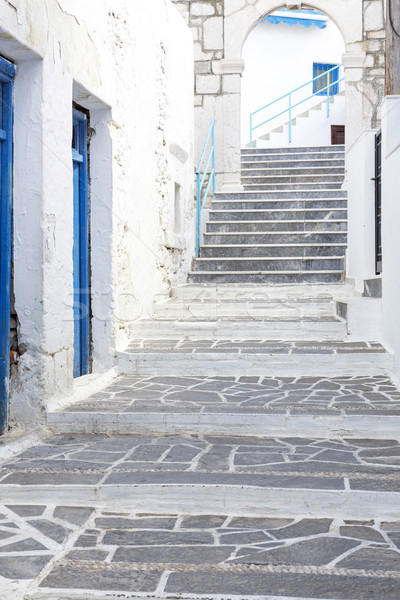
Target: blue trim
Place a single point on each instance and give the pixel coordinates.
(6, 174)
(295, 17)
(291, 21)
(81, 247)
(7, 68)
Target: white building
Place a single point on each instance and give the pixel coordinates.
(104, 226)
(106, 96)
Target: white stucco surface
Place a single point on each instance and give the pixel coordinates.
(131, 66)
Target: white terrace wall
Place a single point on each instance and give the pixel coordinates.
(130, 64)
(220, 28)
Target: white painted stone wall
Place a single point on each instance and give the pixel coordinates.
(361, 256)
(390, 226)
(278, 59)
(131, 65)
(361, 209)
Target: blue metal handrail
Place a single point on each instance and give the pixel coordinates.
(202, 197)
(291, 106)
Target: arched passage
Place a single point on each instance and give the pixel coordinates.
(239, 21)
(284, 52)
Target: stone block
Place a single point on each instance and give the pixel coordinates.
(202, 66)
(369, 60)
(378, 34)
(373, 46)
(378, 72)
(202, 9)
(208, 84)
(373, 16)
(199, 53)
(196, 33)
(231, 84)
(213, 34)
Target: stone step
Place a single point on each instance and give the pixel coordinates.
(260, 306)
(290, 179)
(277, 225)
(303, 407)
(277, 156)
(284, 162)
(282, 194)
(189, 327)
(265, 250)
(306, 204)
(279, 237)
(294, 150)
(227, 293)
(261, 358)
(226, 556)
(278, 214)
(272, 263)
(295, 186)
(266, 277)
(238, 475)
(290, 172)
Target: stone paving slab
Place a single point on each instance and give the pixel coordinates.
(31, 536)
(247, 395)
(223, 555)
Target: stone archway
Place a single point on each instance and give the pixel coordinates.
(220, 28)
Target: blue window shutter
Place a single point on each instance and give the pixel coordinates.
(319, 69)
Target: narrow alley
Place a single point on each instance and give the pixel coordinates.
(199, 332)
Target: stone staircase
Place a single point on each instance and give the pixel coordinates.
(247, 449)
(287, 226)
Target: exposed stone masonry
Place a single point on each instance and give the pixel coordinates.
(206, 21)
(207, 24)
(374, 46)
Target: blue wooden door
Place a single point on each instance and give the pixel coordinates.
(81, 246)
(7, 73)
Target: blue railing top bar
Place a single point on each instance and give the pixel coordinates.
(288, 95)
(201, 196)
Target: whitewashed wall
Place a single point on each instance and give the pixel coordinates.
(361, 210)
(278, 59)
(391, 226)
(131, 65)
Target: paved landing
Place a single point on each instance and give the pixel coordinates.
(297, 476)
(287, 395)
(267, 406)
(61, 552)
